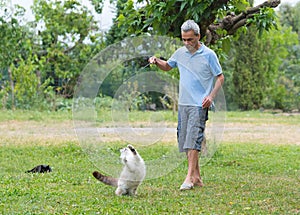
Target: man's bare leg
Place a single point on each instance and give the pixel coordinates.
(193, 176)
(197, 176)
(197, 181)
(192, 156)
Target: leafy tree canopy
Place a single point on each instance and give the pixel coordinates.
(217, 19)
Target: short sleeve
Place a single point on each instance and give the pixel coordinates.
(215, 64)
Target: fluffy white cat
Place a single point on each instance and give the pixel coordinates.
(132, 175)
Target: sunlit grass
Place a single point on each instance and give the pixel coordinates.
(39, 116)
(240, 179)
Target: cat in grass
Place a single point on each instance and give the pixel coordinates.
(40, 169)
(132, 175)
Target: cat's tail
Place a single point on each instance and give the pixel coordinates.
(106, 179)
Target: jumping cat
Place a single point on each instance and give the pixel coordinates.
(40, 169)
(132, 175)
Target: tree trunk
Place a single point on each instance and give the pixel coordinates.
(12, 87)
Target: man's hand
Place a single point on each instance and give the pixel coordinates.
(162, 64)
(152, 60)
(207, 101)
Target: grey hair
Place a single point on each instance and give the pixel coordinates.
(190, 25)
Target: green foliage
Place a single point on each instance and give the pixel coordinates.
(103, 102)
(254, 70)
(98, 5)
(116, 33)
(26, 83)
(40, 61)
(165, 17)
(14, 47)
(43, 66)
(290, 67)
(67, 26)
(12, 39)
(265, 20)
(250, 72)
(290, 16)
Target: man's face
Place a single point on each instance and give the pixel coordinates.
(190, 40)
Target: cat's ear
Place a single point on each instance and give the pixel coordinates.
(132, 149)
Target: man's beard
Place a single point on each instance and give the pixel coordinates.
(190, 48)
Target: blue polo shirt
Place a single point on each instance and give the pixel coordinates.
(197, 73)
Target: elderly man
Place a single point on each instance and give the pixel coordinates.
(200, 80)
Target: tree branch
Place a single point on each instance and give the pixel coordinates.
(231, 23)
(212, 17)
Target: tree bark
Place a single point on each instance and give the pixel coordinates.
(12, 87)
(231, 23)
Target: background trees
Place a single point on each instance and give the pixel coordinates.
(44, 58)
(290, 66)
(15, 47)
(253, 69)
(40, 61)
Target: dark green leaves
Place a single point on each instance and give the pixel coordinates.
(264, 20)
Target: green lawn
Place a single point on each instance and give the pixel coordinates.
(241, 178)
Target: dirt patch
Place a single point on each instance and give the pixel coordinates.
(265, 133)
(40, 133)
(31, 132)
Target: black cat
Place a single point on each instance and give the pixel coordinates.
(40, 169)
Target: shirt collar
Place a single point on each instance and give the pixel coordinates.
(200, 50)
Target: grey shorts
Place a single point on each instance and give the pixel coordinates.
(191, 126)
